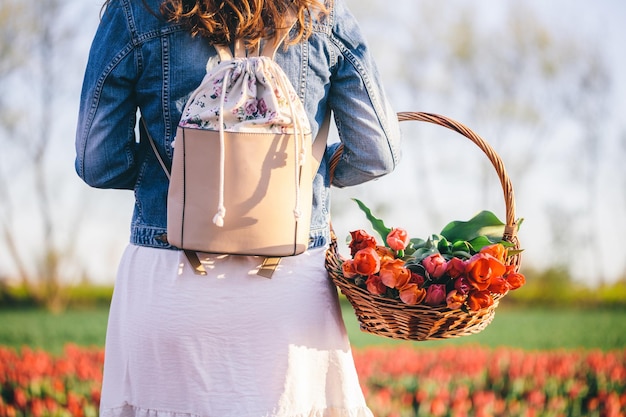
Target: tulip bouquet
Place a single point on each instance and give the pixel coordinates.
(464, 267)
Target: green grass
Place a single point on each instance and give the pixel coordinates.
(526, 328)
(39, 329)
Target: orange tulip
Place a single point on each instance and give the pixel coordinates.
(385, 253)
(397, 239)
(375, 285)
(347, 269)
(412, 294)
(455, 299)
(366, 261)
(496, 250)
(481, 268)
(477, 300)
(393, 273)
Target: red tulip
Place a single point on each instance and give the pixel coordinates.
(515, 280)
(361, 240)
(477, 300)
(499, 285)
(375, 285)
(398, 239)
(435, 265)
(462, 285)
(456, 267)
(435, 295)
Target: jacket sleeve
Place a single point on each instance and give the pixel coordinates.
(107, 155)
(367, 125)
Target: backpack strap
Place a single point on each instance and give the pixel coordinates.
(271, 46)
(154, 148)
(319, 143)
(225, 53)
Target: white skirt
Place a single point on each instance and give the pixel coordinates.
(229, 344)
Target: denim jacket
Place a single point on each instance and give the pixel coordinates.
(140, 63)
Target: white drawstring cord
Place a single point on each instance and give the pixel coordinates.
(299, 147)
(299, 150)
(218, 219)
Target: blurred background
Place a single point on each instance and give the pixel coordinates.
(543, 82)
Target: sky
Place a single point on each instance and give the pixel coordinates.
(551, 182)
(103, 216)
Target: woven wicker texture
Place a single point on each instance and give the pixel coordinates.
(394, 319)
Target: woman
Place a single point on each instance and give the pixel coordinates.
(230, 343)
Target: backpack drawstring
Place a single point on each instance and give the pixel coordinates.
(218, 219)
(299, 147)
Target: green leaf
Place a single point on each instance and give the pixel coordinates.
(408, 251)
(423, 253)
(461, 254)
(461, 245)
(443, 245)
(433, 240)
(481, 241)
(417, 243)
(484, 223)
(377, 224)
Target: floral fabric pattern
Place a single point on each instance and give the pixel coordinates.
(257, 96)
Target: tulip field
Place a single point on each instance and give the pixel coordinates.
(400, 381)
(36, 383)
(529, 362)
(475, 381)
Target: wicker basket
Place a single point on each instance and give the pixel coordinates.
(394, 319)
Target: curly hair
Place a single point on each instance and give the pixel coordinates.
(223, 21)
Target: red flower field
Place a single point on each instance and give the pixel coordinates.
(35, 383)
(475, 381)
(398, 382)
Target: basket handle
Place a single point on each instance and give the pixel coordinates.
(510, 229)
